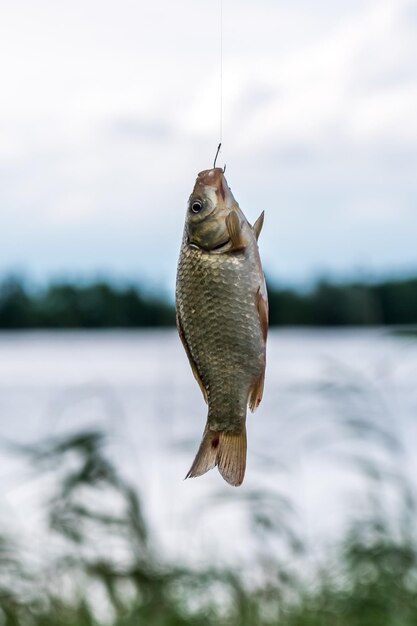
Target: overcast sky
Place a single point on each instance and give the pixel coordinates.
(109, 109)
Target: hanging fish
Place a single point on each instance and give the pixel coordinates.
(222, 319)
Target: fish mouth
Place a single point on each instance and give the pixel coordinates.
(210, 177)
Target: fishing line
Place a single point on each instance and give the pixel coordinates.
(220, 88)
(221, 73)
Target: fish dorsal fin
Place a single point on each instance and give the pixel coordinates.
(257, 227)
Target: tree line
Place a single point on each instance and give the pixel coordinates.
(103, 305)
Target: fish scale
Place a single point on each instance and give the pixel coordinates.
(222, 330)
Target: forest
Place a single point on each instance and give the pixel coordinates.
(102, 304)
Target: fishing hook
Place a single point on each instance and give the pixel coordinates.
(217, 154)
(215, 158)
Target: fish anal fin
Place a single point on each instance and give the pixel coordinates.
(256, 392)
(190, 358)
(234, 229)
(257, 227)
(226, 450)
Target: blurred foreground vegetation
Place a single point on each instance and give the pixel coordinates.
(100, 565)
(102, 305)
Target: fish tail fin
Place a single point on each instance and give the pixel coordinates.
(231, 458)
(206, 457)
(226, 450)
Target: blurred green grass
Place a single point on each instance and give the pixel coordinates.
(105, 569)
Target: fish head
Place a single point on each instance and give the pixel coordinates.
(210, 203)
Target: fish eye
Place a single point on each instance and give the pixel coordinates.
(196, 206)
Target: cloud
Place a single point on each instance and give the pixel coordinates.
(141, 129)
(108, 111)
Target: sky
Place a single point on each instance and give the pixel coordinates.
(108, 111)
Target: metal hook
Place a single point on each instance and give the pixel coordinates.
(217, 154)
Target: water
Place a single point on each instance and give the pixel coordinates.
(330, 397)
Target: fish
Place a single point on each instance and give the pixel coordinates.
(222, 319)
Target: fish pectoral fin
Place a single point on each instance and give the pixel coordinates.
(234, 229)
(226, 450)
(190, 358)
(257, 227)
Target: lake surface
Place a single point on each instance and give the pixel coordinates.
(333, 401)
